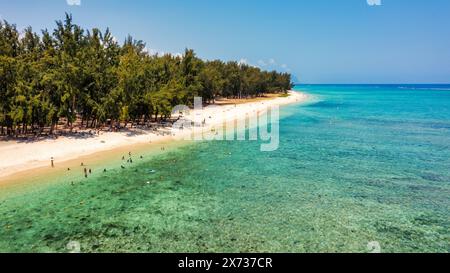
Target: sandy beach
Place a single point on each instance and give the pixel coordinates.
(22, 156)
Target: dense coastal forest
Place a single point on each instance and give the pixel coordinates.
(73, 75)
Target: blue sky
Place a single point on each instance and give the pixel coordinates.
(319, 41)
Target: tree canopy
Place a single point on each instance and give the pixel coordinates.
(72, 74)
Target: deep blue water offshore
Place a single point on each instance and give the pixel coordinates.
(356, 164)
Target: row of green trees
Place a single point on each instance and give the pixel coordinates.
(73, 75)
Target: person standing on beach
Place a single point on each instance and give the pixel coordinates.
(52, 162)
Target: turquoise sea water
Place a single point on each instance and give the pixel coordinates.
(356, 164)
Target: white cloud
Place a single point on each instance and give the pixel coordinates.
(156, 52)
(271, 64)
(374, 2)
(243, 62)
(73, 2)
(262, 63)
(267, 63)
(152, 52)
(178, 55)
(286, 68)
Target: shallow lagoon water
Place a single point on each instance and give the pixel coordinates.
(357, 164)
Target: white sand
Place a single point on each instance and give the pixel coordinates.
(20, 156)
